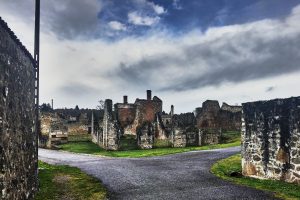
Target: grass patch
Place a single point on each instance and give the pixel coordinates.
(161, 143)
(127, 149)
(128, 142)
(225, 167)
(79, 138)
(63, 182)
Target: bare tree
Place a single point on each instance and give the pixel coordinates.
(100, 106)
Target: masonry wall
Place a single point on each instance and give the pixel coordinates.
(271, 139)
(211, 116)
(18, 144)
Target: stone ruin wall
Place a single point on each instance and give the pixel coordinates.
(271, 139)
(148, 123)
(18, 141)
(211, 116)
(108, 135)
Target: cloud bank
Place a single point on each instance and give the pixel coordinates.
(234, 63)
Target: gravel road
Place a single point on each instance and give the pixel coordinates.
(179, 176)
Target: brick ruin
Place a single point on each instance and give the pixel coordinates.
(146, 120)
(270, 139)
(18, 140)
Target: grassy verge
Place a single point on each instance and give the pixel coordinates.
(225, 167)
(91, 148)
(63, 182)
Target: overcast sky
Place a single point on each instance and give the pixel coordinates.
(186, 51)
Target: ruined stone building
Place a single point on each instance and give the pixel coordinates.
(58, 124)
(145, 119)
(271, 139)
(18, 139)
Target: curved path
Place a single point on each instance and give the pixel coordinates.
(177, 176)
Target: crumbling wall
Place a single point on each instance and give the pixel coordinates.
(209, 136)
(230, 121)
(145, 136)
(208, 118)
(108, 135)
(18, 141)
(126, 115)
(179, 137)
(211, 116)
(270, 139)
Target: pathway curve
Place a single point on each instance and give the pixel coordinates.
(178, 176)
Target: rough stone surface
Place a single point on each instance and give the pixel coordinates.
(108, 134)
(270, 139)
(209, 136)
(179, 137)
(146, 136)
(211, 116)
(18, 143)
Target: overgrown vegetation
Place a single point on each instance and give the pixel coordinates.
(226, 167)
(162, 143)
(128, 142)
(128, 148)
(59, 182)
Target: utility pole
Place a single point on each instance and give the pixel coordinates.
(37, 76)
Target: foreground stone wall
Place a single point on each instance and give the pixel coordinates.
(271, 139)
(18, 144)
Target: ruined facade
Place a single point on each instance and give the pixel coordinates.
(270, 139)
(18, 140)
(109, 132)
(145, 120)
(212, 116)
(58, 124)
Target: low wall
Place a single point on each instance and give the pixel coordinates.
(271, 139)
(18, 141)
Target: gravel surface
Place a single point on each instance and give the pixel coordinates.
(177, 176)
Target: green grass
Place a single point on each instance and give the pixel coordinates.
(88, 147)
(79, 138)
(58, 182)
(128, 142)
(225, 167)
(162, 143)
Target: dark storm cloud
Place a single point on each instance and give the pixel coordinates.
(75, 89)
(71, 18)
(243, 52)
(67, 19)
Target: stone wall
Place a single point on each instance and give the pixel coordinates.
(270, 139)
(209, 136)
(18, 141)
(108, 134)
(179, 137)
(211, 116)
(145, 136)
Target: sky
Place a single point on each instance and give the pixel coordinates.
(185, 51)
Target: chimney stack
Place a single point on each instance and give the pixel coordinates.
(52, 104)
(149, 95)
(125, 99)
(172, 110)
(108, 105)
